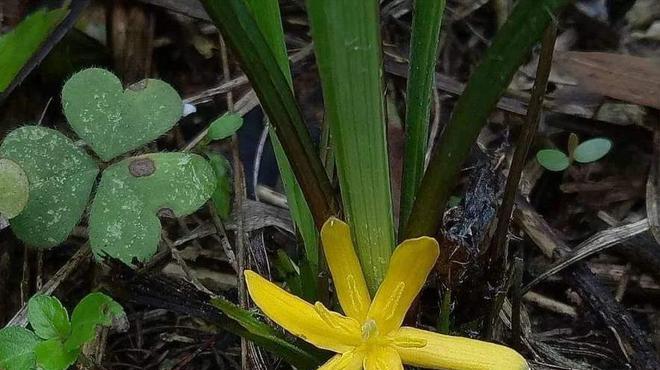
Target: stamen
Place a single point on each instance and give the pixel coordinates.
(410, 342)
(369, 330)
(393, 301)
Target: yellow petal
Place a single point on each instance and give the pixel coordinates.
(315, 324)
(345, 269)
(455, 353)
(351, 360)
(383, 358)
(409, 267)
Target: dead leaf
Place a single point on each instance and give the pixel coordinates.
(624, 77)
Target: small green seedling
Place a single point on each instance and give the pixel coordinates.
(55, 342)
(123, 220)
(586, 152)
(13, 188)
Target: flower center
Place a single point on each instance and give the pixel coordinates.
(369, 330)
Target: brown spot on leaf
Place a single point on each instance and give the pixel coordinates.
(166, 212)
(140, 85)
(142, 167)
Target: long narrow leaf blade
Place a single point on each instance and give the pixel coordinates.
(424, 41)
(240, 30)
(267, 15)
(347, 41)
(509, 48)
(18, 46)
(301, 356)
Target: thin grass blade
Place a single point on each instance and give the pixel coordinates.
(424, 41)
(267, 15)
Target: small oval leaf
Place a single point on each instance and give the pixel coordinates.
(14, 188)
(225, 126)
(552, 160)
(592, 150)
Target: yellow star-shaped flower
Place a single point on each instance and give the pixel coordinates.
(370, 335)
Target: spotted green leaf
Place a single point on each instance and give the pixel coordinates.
(225, 126)
(14, 188)
(553, 160)
(60, 176)
(96, 309)
(592, 150)
(17, 348)
(124, 220)
(51, 355)
(114, 121)
(48, 318)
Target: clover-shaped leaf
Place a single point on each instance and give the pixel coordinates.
(17, 348)
(60, 177)
(592, 150)
(124, 216)
(553, 160)
(14, 188)
(113, 121)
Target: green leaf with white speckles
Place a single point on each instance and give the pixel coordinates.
(124, 220)
(60, 177)
(113, 121)
(14, 188)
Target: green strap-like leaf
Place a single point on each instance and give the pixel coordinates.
(241, 32)
(267, 15)
(348, 49)
(423, 57)
(17, 46)
(301, 356)
(509, 49)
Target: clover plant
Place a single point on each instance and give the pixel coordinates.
(55, 341)
(132, 192)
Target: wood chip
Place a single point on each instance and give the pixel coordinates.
(623, 77)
